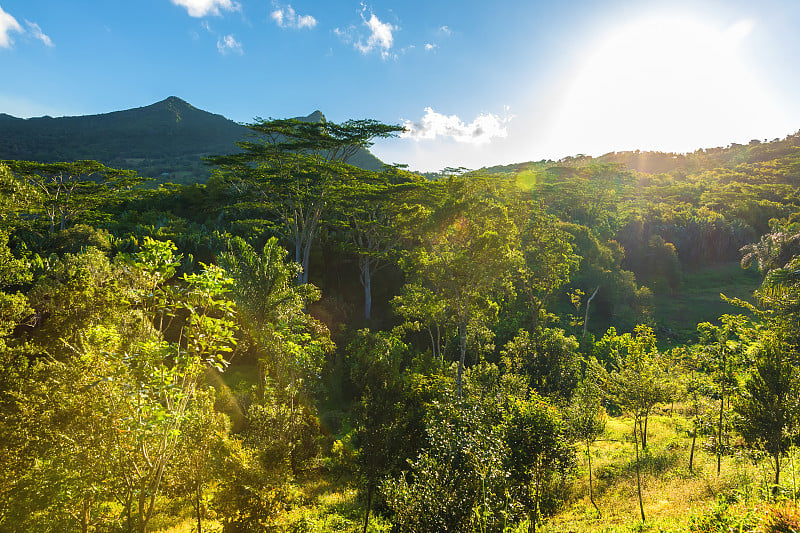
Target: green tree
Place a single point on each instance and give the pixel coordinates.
(723, 349)
(548, 261)
(198, 457)
(290, 342)
(384, 429)
(539, 451)
(289, 346)
(368, 216)
(295, 169)
(764, 407)
(636, 383)
(67, 190)
(164, 374)
(459, 481)
(586, 420)
(548, 357)
(465, 259)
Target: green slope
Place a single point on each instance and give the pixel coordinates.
(166, 140)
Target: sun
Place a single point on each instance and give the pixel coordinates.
(669, 83)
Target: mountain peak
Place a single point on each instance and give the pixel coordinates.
(174, 100)
(314, 117)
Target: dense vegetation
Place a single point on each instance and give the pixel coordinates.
(304, 345)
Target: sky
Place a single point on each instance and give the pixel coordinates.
(475, 83)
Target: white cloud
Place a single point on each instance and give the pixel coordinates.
(37, 33)
(482, 130)
(201, 8)
(380, 37)
(286, 17)
(228, 44)
(7, 25)
(445, 30)
(429, 46)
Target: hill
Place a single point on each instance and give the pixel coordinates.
(166, 140)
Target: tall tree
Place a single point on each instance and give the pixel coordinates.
(586, 420)
(368, 217)
(765, 404)
(67, 190)
(723, 348)
(290, 342)
(294, 168)
(636, 384)
(466, 257)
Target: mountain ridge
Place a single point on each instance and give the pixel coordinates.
(165, 140)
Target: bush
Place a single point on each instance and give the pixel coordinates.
(781, 519)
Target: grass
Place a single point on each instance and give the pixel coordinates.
(698, 299)
(673, 497)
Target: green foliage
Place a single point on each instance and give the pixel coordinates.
(290, 343)
(66, 191)
(464, 262)
(781, 519)
(765, 404)
(548, 357)
(720, 519)
(459, 481)
(540, 454)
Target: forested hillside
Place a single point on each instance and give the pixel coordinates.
(300, 344)
(165, 141)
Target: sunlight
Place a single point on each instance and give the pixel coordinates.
(666, 83)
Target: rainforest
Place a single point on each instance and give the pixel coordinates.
(300, 344)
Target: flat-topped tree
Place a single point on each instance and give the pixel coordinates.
(66, 191)
(295, 168)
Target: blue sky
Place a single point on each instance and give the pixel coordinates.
(475, 83)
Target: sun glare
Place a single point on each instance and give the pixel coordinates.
(665, 83)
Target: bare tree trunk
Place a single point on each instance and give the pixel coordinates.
(366, 282)
(369, 505)
(586, 316)
(198, 502)
(591, 490)
(462, 343)
(638, 473)
(721, 412)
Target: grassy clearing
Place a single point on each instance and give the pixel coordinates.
(674, 498)
(698, 299)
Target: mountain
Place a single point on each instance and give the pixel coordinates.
(166, 140)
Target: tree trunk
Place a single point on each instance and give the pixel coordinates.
(644, 432)
(369, 505)
(586, 316)
(691, 453)
(306, 260)
(86, 515)
(591, 490)
(198, 502)
(719, 426)
(462, 343)
(638, 473)
(142, 525)
(366, 281)
(777, 468)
